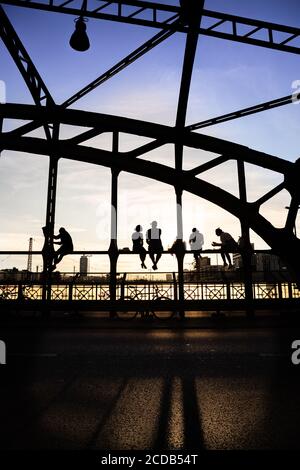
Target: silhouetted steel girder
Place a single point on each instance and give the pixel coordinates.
(41, 94)
(37, 87)
(38, 90)
(184, 91)
(284, 243)
(41, 97)
(161, 133)
(32, 78)
(119, 66)
(127, 162)
(157, 15)
(258, 108)
(161, 173)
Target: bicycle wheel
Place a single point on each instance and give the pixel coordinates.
(129, 313)
(162, 314)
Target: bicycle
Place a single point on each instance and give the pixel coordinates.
(147, 313)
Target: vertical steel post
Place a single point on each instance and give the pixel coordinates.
(180, 251)
(113, 251)
(246, 252)
(50, 213)
(191, 12)
(50, 220)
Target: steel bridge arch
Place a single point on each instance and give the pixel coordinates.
(50, 116)
(282, 241)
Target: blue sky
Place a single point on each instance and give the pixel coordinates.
(227, 76)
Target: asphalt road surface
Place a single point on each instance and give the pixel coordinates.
(149, 388)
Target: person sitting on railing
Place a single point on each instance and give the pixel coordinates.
(196, 242)
(138, 242)
(228, 244)
(66, 246)
(155, 245)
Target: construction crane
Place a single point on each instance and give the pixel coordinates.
(29, 260)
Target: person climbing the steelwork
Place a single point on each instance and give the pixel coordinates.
(228, 245)
(153, 239)
(66, 247)
(138, 242)
(196, 242)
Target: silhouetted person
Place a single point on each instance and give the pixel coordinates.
(155, 245)
(66, 246)
(138, 242)
(228, 244)
(47, 252)
(196, 242)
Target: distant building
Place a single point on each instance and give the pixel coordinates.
(84, 265)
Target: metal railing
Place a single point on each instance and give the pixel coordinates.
(97, 288)
(208, 288)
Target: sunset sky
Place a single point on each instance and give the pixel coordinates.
(227, 76)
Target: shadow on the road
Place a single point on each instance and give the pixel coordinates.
(39, 388)
(150, 390)
(191, 425)
(91, 444)
(193, 434)
(186, 401)
(161, 441)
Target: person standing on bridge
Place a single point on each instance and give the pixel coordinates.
(155, 245)
(138, 242)
(66, 247)
(228, 245)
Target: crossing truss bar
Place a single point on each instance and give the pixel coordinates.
(157, 15)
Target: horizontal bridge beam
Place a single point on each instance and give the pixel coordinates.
(157, 15)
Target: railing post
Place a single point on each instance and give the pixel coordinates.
(228, 294)
(290, 290)
(113, 258)
(180, 259)
(20, 291)
(123, 286)
(71, 290)
(280, 290)
(175, 286)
